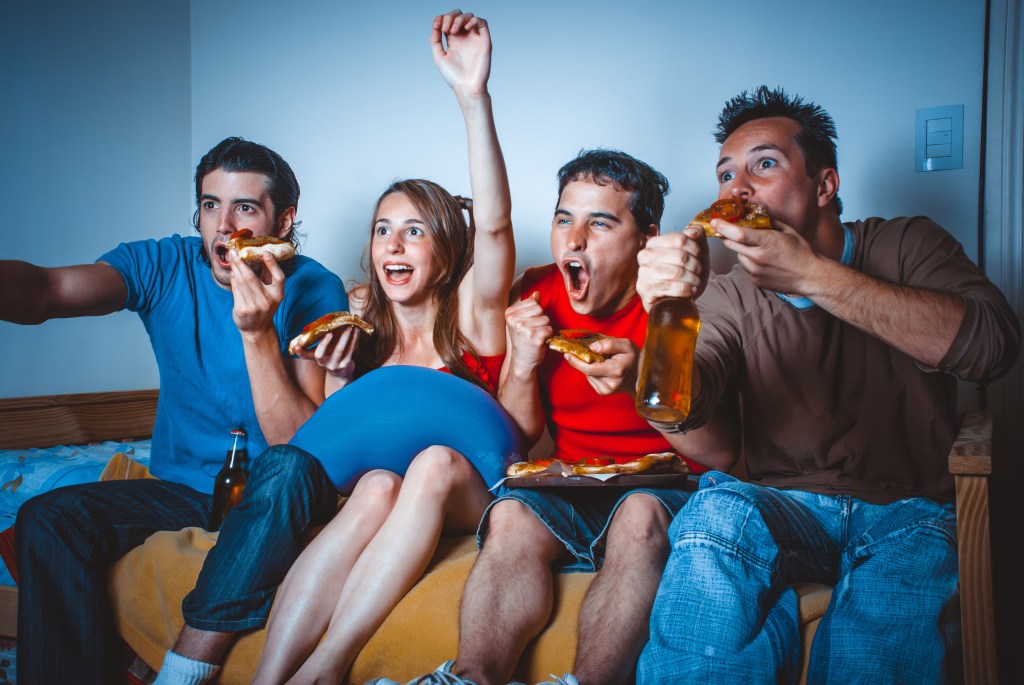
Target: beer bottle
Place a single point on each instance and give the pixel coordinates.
(663, 388)
(230, 482)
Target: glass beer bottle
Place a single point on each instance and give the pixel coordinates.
(663, 388)
(230, 482)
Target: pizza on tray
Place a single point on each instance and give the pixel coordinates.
(658, 463)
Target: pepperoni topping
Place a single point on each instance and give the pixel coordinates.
(728, 208)
(576, 333)
(319, 322)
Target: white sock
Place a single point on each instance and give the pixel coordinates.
(180, 670)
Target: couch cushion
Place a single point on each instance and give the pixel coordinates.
(148, 584)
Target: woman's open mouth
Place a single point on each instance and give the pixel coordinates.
(397, 274)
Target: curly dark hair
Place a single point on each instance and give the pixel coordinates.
(647, 186)
(817, 135)
(237, 154)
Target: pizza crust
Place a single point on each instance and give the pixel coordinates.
(576, 341)
(657, 463)
(339, 319)
(252, 248)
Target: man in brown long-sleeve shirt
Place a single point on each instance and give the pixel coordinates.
(845, 341)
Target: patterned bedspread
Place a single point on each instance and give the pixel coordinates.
(26, 473)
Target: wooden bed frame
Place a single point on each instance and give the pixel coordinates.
(93, 417)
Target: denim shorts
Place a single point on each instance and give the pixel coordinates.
(579, 517)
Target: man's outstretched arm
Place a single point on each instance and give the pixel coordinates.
(31, 294)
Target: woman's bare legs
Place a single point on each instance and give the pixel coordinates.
(310, 591)
(441, 492)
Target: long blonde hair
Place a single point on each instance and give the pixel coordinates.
(451, 239)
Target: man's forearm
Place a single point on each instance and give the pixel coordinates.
(31, 294)
(519, 394)
(921, 323)
(281, 405)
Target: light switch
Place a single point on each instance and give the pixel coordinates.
(940, 138)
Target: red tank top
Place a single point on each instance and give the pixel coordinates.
(581, 422)
(488, 369)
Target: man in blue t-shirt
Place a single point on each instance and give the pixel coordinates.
(220, 329)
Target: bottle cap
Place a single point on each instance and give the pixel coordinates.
(238, 431)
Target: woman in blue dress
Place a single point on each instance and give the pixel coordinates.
(437, 291)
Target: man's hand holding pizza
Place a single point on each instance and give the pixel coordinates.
(285, 392)
(256, 297)
(780, 260)
(616, 372)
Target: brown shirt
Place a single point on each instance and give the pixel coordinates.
(828, 408)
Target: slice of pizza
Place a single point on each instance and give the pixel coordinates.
(660, 462)
(576, 341)
(736, 211)
(536, 467)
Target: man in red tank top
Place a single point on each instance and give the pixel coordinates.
(609, 205)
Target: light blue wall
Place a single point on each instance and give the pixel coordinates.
(348, 94)
(95, 124)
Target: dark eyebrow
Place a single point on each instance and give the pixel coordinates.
(407, 222)
(604, 215)
(559, 210)
(207, 196)
(247, 201)
(756, 148)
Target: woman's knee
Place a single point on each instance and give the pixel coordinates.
(437, 470)
(377, 487)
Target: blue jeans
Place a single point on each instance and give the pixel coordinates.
(68, 538)
(725, 613)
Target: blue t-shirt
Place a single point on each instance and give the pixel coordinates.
(204, 385)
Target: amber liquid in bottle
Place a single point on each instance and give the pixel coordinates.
(230, 482)
(663, 388)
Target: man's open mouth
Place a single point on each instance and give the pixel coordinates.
(577, 278)
(220, 252)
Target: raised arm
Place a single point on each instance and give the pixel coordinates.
(31, 294)
(518, 389)
(285, 391)
(461, 44)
